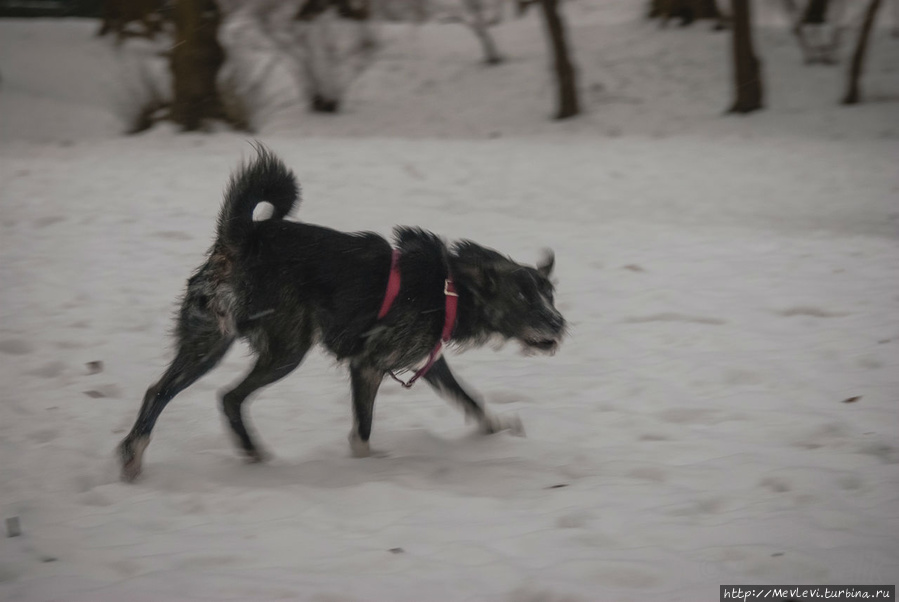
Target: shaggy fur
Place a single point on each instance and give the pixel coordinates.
(284, 286)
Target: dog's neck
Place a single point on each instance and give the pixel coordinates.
(472, 325)
(428, 261)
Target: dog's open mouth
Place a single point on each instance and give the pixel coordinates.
(545, 345)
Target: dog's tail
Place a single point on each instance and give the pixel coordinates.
(264, 180)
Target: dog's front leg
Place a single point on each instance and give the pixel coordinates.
(365, 381)
(442, 380)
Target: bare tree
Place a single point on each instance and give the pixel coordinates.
(685, 10)
(479, 16)
(143, 95)
(566, 76)
(185, 77)
(747, 67)
(853, 92)
(817, 28)
(480, 24)
(815, 12)
(328, 42)
(895, 30)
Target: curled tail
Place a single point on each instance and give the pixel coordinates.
(264, 179)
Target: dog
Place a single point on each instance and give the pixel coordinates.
(284, 286)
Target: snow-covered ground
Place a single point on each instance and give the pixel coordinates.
(724, 410)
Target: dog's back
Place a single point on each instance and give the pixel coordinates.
(330, 281)
(271, 279)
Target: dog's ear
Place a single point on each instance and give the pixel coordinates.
(546, 263)
(481, 275)
(478, 265)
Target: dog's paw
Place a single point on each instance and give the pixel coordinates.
(358, 447)
(508, 422)
(515, 426)
(256, 456)
(361, 449)
(130, 472)
(130, 452)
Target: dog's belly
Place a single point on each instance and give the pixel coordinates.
(392, 348)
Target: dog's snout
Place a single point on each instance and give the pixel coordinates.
(554, 321)
(558, 323)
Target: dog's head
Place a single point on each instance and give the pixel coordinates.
(515, 301)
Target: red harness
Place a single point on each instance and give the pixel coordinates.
(449, 320)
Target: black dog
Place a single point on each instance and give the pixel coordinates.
(284, 286)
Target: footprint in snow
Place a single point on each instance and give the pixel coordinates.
(43, 222)
(654, 437)
(691, 416)
(674, 317)
(502, 397)
(776, 484)
(49, 370)
(16, 347)
(808, 310)
(44, 435)
(107, 390)
(172, 235)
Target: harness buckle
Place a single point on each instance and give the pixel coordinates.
(449, 289)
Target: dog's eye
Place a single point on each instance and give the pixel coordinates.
(547, 291)
(528, 296)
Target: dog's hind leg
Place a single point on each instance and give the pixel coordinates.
(365, 381)
(278, 359)
(196, 356)
(442, 380)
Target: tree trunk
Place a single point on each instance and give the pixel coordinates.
(792, 11)
(708, 9)
(895, 31)
(327, 71)
(321, 64)
(853, 92)
(481, 30)
(747, 68)
(817, 29)
(815, 12)
(196, 60)
(492, 55)
(566, 78)
(686, 10)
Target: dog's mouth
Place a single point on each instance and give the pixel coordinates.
(541, 344)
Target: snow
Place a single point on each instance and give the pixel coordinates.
(731, 285)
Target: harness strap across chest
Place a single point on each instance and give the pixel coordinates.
(394, 282)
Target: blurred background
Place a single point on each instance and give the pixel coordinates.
(445, 68)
